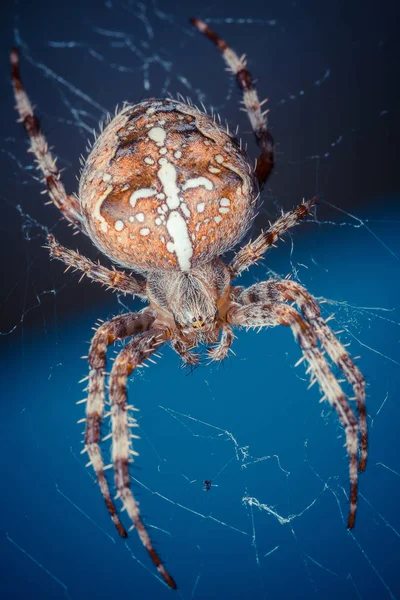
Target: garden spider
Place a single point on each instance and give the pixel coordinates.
(165, 191)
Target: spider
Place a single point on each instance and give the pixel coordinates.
(164, 192)
(207, 485)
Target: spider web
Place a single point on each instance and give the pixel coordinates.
(272, 523)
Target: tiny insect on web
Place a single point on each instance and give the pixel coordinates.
(164, 192)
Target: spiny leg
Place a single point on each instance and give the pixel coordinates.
(68, 205)
(132, 356)
(118, 328)
(112, 278)
(291, 291)
(251, 253)
(189, 358)
(221, 350)
(258, 119)
(259, 315)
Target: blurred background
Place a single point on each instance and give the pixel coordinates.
(273, 523)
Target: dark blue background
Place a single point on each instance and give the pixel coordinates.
(219, 423)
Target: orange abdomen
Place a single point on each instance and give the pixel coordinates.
(165, 187)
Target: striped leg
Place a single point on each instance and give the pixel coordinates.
(258, 118)
(259, 315)
(116, 280)
(290, 291)
(68, 205)
(118, 328)
(251, 253)
(132, 356)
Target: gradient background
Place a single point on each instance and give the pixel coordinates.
(250, 425)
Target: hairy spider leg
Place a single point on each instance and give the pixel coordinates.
(133, 355)
(270, 315)
(251, 253)
(68, 205)
(221, 350)
(290, 291)
(118, 328)
(181, 348)
(253, 107)
(114, 279)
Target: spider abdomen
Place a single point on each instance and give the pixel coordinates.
(165, 187)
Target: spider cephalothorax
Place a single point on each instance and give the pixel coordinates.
(196, 299)
(164, 192)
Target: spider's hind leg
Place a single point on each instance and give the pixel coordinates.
(253, 107)
(68, 205)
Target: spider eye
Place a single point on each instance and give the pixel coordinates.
(197, 322)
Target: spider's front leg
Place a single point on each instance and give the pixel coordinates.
(132, 356)
(287, 290)
(270, 315)
(118, 328)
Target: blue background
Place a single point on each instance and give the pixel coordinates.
(250, 425)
